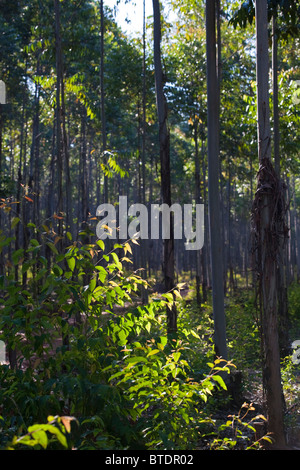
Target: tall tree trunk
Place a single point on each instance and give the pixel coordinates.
(198, 201)
(34, 154)
(102, 93)
(66, 155)
(216, 243)
(63, 164)
(29, 208)
(281, 268)
(1, 132)
(275, 95)
(164, 142)
(83, 176)
(144, 109)
(266, 210)
(22, 151)
(50, 195)
(204, 250)
(297, 231)
(59, 144)
(144, 243)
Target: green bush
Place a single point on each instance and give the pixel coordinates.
(121, 378)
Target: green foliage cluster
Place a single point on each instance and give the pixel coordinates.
(238, 426)
(98, 377)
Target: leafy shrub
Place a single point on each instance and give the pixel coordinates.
(239, 432)
(165, 398)
(125, 381)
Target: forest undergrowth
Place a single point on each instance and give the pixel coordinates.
(94, 369)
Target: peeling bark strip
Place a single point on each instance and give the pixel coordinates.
(269, 231)
(270, 202)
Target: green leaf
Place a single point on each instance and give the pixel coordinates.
(268, 439)
(41, 437)
(163, 342)
(92, 284)
(34, 242)
(177, 294)
(176, 356)
(195, 334)
(57, 270)
(71, 263)
(168, 296)
(52, 247)
(102, 273)
(152, 352)
(101, 245)
(59, 435)
(116, 260)
(136, 359)
(122, 336)
(220, 381)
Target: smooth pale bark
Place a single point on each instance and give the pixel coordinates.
(198, 201)
(144, 243)
(34, 154)
(267, 247)
(59, 154)
(204, 250)
(22, 151)
(164, 144)
(213, 184)
(84, 177)
(275, 95)
(144, 109)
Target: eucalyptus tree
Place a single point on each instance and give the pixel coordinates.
(267, 211)
(187, 98)
(102, 91)
(164, 142)
(285, 27)
(213, 183)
